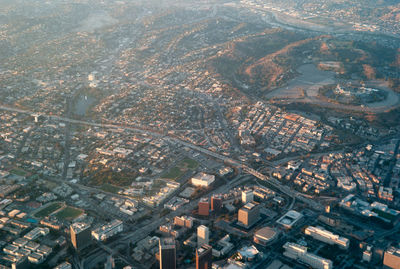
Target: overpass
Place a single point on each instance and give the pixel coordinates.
(284, 189)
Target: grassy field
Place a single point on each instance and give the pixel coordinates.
(181, 168)
(48, 209)
(174, 173)
(19, 172)
(69, 213)
(110, 188)
(191, 164)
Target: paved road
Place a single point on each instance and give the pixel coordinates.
(142, 232)
(154, 133)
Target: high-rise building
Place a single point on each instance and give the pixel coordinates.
(204, 207)
(248, 214)
(80, 235)
(204, 257)
(167, 253)
(216, 203)
(203, 235)
(247, 196)
(391, 258)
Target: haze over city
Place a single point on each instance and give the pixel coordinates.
(224, 134)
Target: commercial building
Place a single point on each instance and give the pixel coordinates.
(216, 203)
(247, 196)
(298, 252)
(204, 207)
(265, 235)
(203, 235)
(391, 258)
(204, 257)
(367, 254)
(167, 253)
(248, 214)
(104, 232)
(80, 235)
(202, 180)
(328, 237)
(183, 221)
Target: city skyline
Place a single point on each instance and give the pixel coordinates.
(220, 134)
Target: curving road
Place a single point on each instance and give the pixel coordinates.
(154, 133)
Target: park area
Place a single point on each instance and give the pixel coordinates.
(68, 213)
(48, 209)
(181, 168)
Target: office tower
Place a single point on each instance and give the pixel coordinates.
(167, 253)
(247, 196)
(80, 235)
(248, 214)
(216, 203)
(204, 207)
(204, 257)
(203, 235)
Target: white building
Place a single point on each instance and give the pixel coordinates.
(247, 196)
(297, 252)
(36, 233)
(203, 180)
(328, 237)
(203, 235)
(104, 232)
(290, 219)
(367, 254)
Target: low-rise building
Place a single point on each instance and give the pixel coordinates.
(328, 237)
(203, 180)
(265, 236)
(106, 231)
(36, 233)
(289, 219)
(298, 252)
